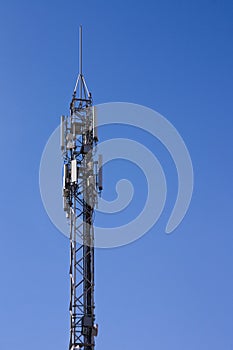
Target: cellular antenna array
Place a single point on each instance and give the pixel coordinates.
(82, 183)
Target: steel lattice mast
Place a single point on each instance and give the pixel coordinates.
(82, 181)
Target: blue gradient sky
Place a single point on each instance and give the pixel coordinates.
(162, 292)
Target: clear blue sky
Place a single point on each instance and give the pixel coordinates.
(162, 292)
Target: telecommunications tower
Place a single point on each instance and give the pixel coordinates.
(82, 183)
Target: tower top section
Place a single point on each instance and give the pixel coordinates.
(81, 96)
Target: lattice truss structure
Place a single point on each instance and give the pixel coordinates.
(82, 183)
